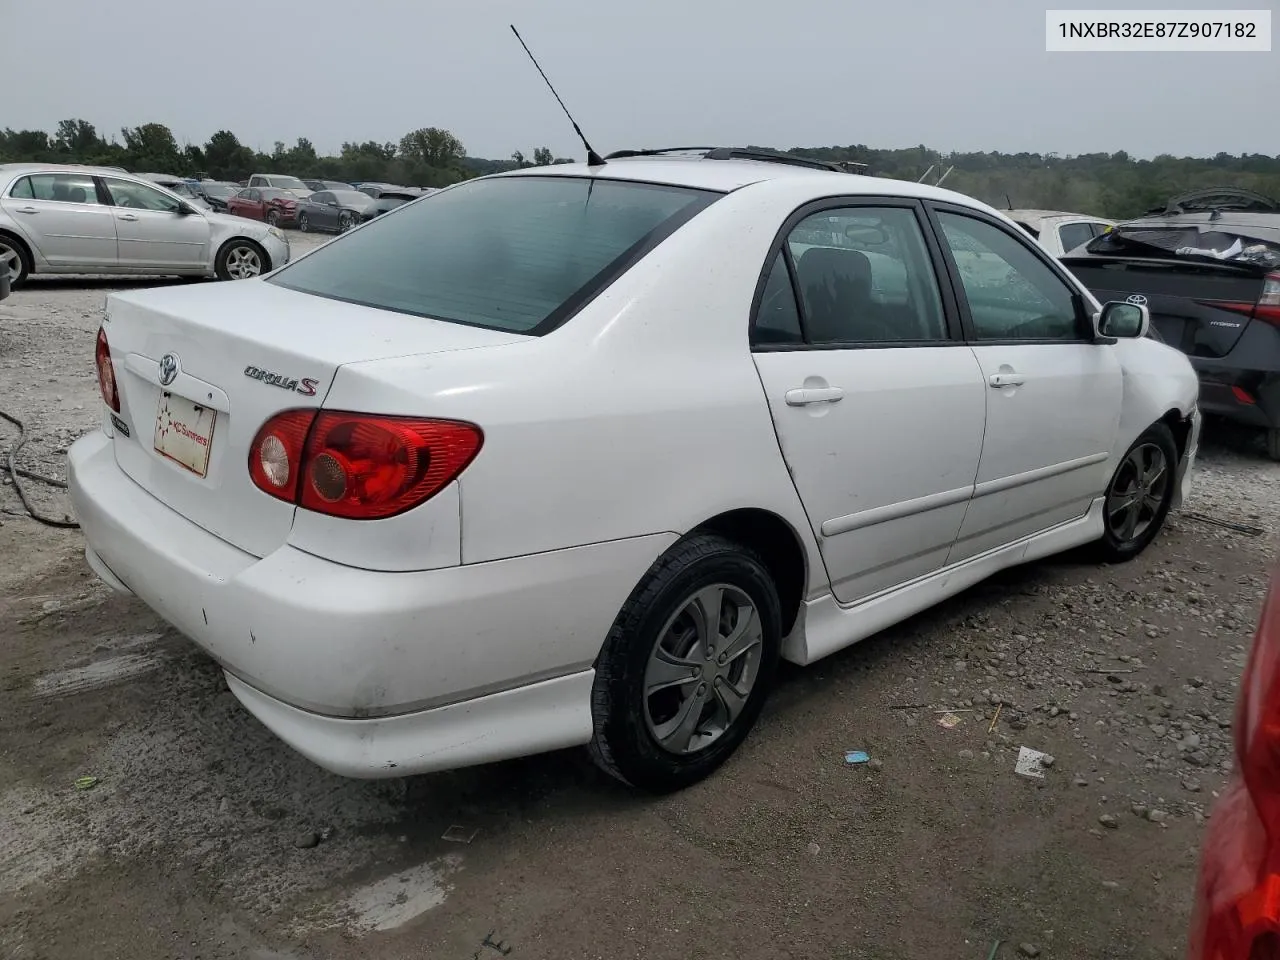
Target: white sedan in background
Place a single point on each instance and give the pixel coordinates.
(94, 220)
(1059, 232)
(574, 455)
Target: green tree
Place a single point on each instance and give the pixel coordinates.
(432, 147)
(542, 157)
(226, 158)
(78, 138)
(151, 148)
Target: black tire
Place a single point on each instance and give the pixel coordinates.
(11, 244)
(345, 222)
(1116, 545)
(623, 744)
(303, 223)
(273, 218)
(1273, 444)
(221, 264)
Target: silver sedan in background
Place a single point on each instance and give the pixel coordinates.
(57, 218)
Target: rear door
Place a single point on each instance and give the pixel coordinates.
(1053, 396)
(325, 213)
(878, 405)
(65, 219)
(150, 230)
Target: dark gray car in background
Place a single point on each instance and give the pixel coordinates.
(1207, 267)
(335, 211)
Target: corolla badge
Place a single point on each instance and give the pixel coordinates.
(1137, 299)
(168, 369)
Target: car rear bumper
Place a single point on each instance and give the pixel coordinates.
(371, 673)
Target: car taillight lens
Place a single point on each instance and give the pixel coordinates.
(1268, 307)
(359, 466)
(1238, 908)
(106, 372)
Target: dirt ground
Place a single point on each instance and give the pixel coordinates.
(204, 837)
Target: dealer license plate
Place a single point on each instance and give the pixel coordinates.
(184, 432)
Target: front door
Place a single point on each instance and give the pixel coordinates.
(877, 403)
(65, 219)
(152, 233)
(1053, 395)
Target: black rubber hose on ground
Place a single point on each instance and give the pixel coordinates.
(16, 473)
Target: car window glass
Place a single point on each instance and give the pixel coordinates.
(1012, 293)
(325, 197)
(777, 317)
(864, 275)
(22, 190)
(1074, 234)
(138, 197)
(1099, 228)
(62, 188)
(511, 253)
(255, 195)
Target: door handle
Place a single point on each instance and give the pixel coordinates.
(126, 216)
(28, 210)
(802, 396)
(1006, 380)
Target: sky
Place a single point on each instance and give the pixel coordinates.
(963, 76)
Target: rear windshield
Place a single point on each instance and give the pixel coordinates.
(520, 254)
(1191, 241)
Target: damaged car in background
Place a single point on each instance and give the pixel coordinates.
(1207, 267)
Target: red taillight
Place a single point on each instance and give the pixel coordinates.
(356, 465)
(106, 372)
(1238, 907)
(1242, 395)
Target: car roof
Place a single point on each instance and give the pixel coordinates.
(1033, 216)
(13, 169)
(726, 176)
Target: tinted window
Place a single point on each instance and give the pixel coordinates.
(1074, 234)
(59, 187)
(321, 198)
(1098, 229)
(777, 318)
(1012, 294)
(864, 275)
(139, 197)
(513, 253)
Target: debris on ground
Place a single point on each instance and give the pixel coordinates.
(1031, 763)
(86, 783)
(856, 756)
(457, 834)
(949, 721)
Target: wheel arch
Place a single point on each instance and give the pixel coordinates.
(1180, 427)
(778, 544)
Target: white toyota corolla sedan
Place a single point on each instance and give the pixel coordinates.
(574, 455)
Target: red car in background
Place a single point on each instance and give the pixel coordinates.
(277, 207)
(1237, 912)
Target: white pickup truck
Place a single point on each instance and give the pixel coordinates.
(1056, 231)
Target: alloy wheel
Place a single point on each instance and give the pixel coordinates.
(243, 262)
(702, 669)
(11, 260)
(1138, 491)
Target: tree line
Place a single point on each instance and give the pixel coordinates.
(1111, 185)
(427, 157)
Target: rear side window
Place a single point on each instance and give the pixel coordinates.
(512, 253)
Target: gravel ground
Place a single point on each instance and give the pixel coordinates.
(203, 836)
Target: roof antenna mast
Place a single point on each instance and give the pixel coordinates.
(593, 159)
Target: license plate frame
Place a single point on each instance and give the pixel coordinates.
(184, 432)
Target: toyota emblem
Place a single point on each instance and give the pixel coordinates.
(168, 369)
(1137, 299)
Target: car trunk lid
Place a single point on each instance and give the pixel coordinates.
(199, 370)
(1202, 308)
